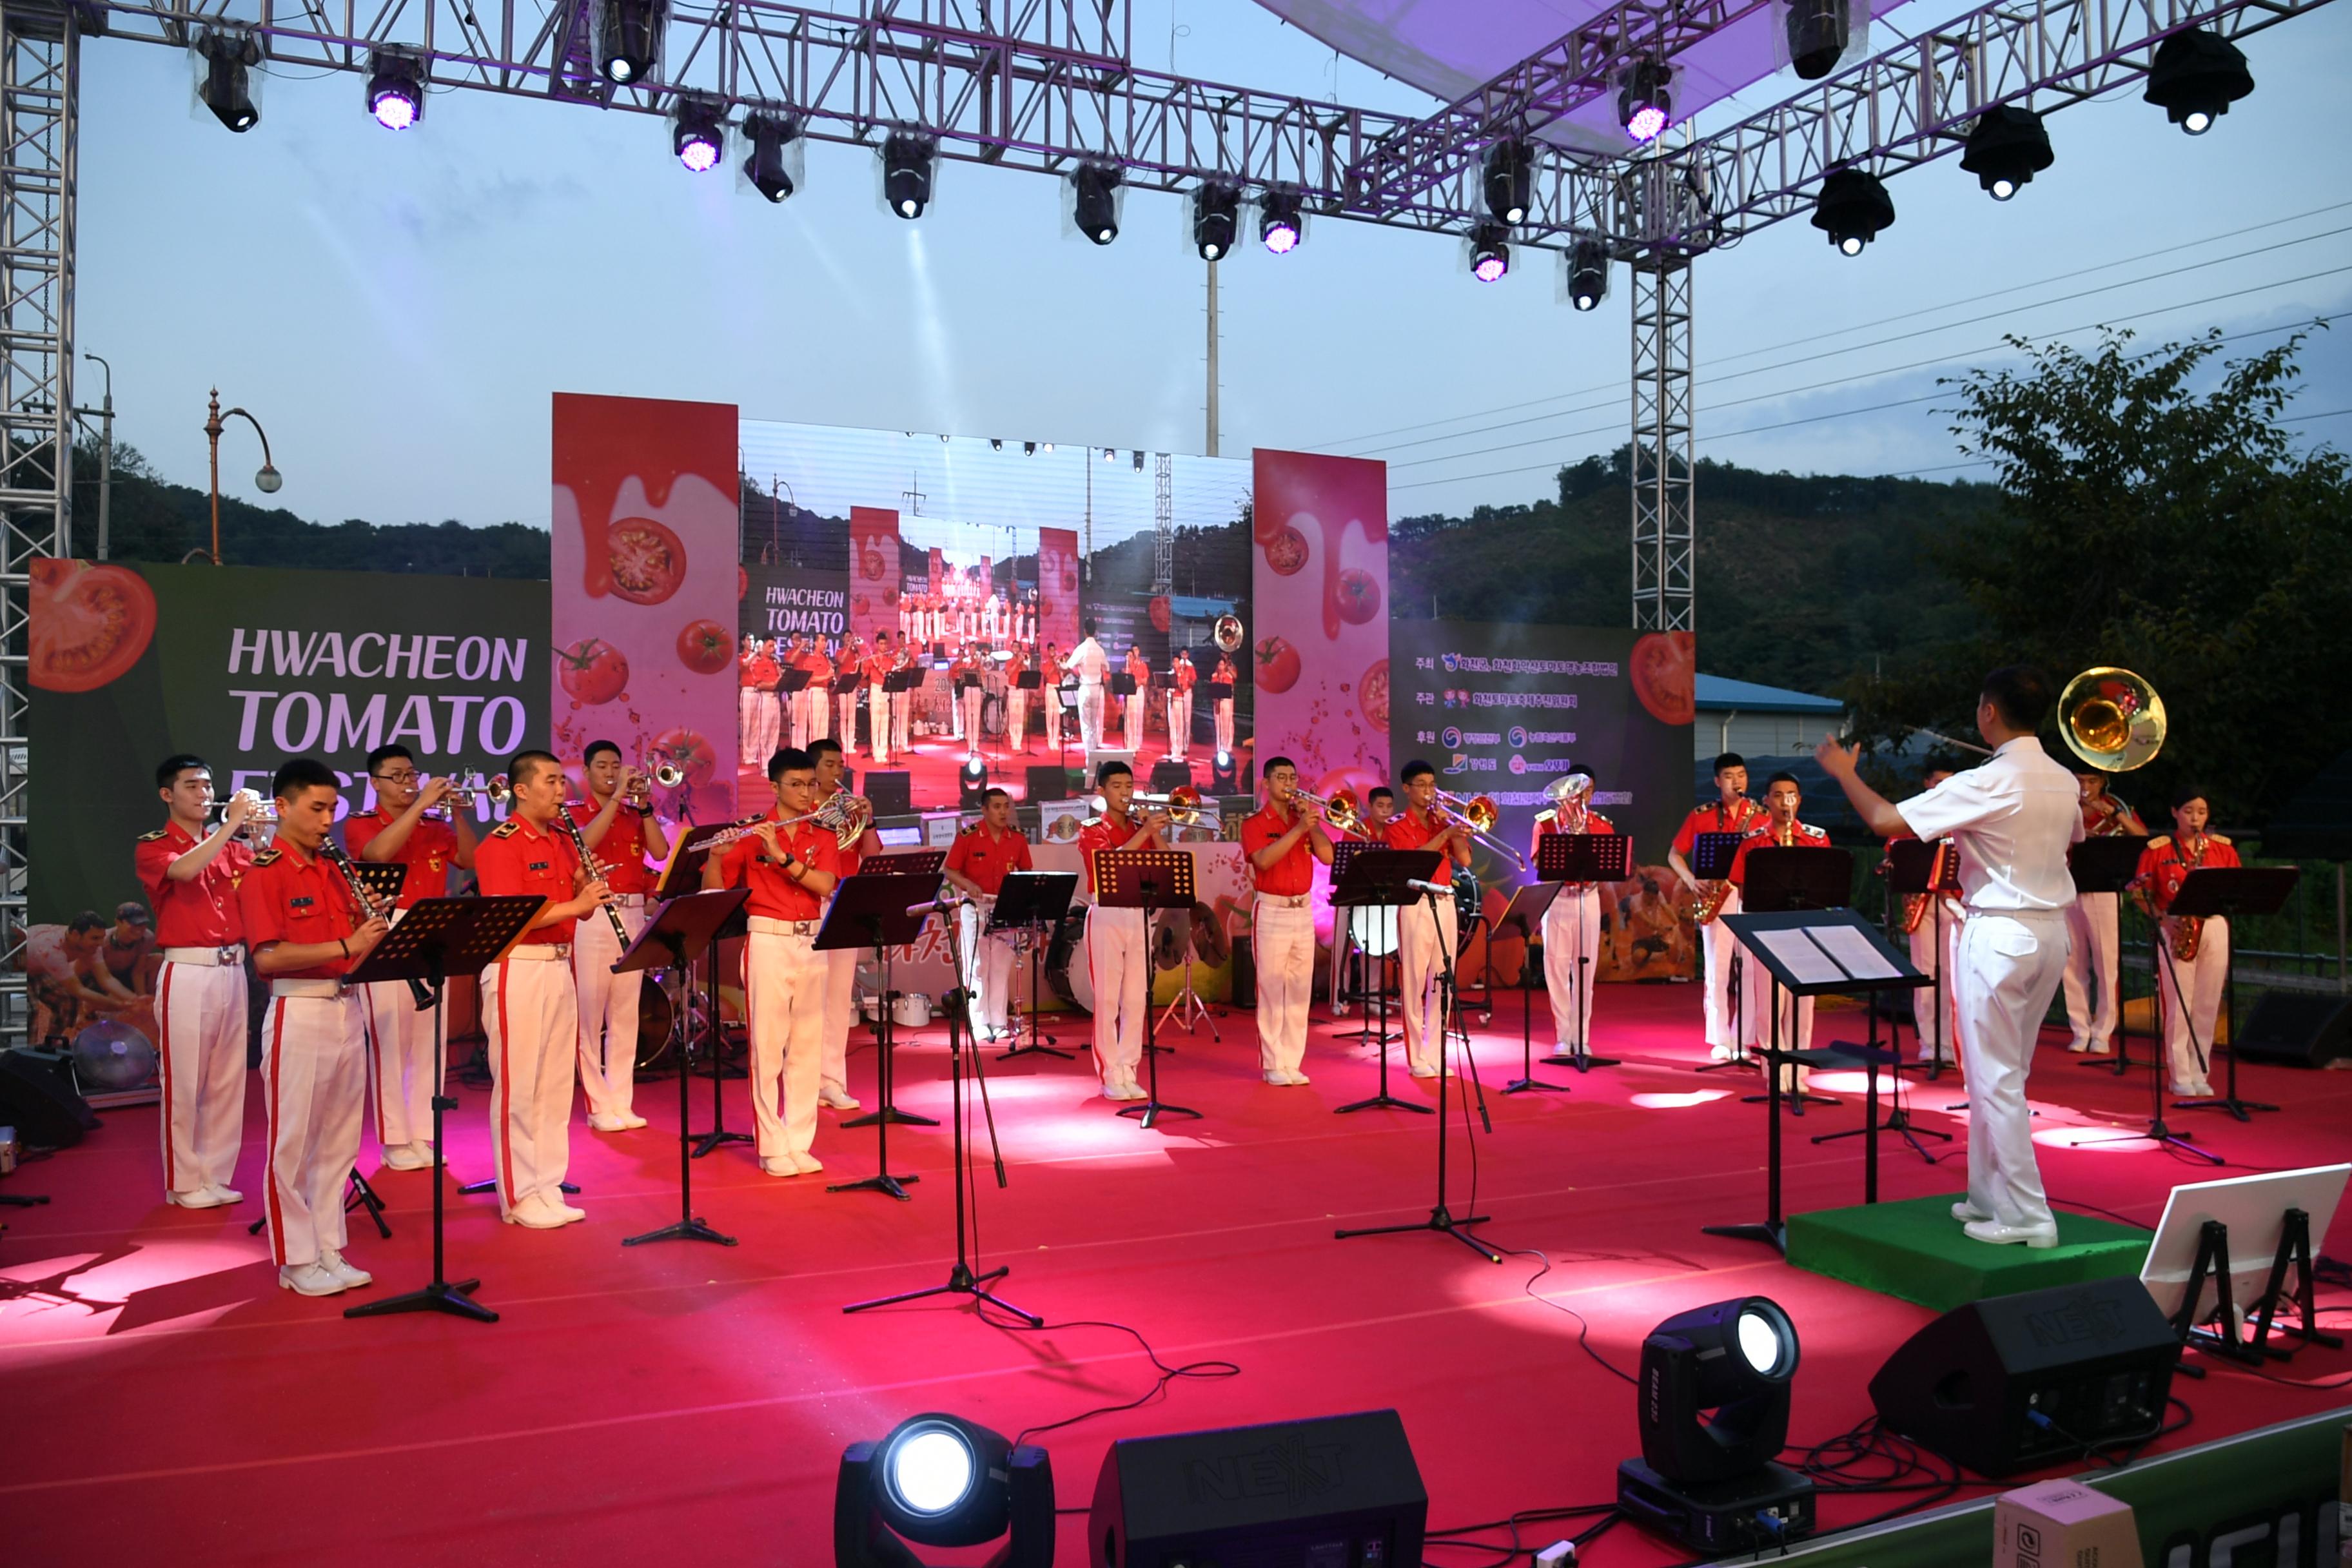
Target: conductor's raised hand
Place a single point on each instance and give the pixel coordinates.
(1840, 761)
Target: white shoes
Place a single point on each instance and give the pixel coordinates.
(1114, 1089)
(1968, 1213)
(780, 1166)
(839, 1098)
(199, 1198)
(310, 1280)
(1424, 1069)
(225, 1194)
(808, 1163)
(2078, 1046)
(565, 1212)
(1130, 1090)
(1722, 1053)
(2101, 1049)
(1299, 1079)
(2037, 1236)
(630, 1120)
(606, 1121)
(535, 1214)
(2199, 1090)
(1281, 1080)
(336, 1264)
(407, 1157)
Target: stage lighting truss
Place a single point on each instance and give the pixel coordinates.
(1095, 200)
(1509, 174)
(2005, 150)
(1281, 220)
(223, 62)
(772, 163)
(1645, 106)
(1818, 32)
(395, 89)
(698, 133)
(2195, 77)
(1852, 209)
(628, 38)
(1587, 265)
(907, 161)
(1490, 253)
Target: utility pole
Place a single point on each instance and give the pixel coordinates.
(105, 454)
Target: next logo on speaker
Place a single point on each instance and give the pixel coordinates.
(2082, 1319)
(1285, 1469)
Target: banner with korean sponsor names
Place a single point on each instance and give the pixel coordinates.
(1501, 711)
(245, 668)
(645, 591)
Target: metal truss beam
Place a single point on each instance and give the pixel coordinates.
(1665, 506)
(1163, 523)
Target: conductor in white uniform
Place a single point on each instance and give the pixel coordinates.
(2013, 816)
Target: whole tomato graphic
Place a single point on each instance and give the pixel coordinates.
(684, 749)
(1372, 696)
(704, 646)
(1665, 667)
(1069, 576)
(1161, 614)
(1357, 596)
(1285, 552)
(90, 623)
(648, 561)
(592, 670)
(1277, 664)
(870, 564)
(1266, 524)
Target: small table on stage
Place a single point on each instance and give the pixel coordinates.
(1145, 879)
(1378, 878)
(2227, 893)
(681, 931)
(1574, 860)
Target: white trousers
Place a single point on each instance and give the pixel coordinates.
(1282, 938)
(878, 721)
(987, 969)
(845, 730)
(1422, 959)
(972, 698)
(1016, 718)
(796, 705)
(840, 1013)
(608, 1011)
(1934, 1035)
(2009, 968)
(1090, 715)
(771, 726)
(902, 730)
(402, 1076)
(532, 1018)
(2200, 979)
(1133, 715)
(1180, 724)
(820, 709)
(199, 1011)
(747, 721)
(783, 988)
(1225, 725)
(1052, 719)
(314, 1061)
(1717, 945)
(2091, 966)
(1118, 959)
(1572, 931)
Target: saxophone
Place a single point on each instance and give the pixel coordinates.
(1915, 905)
(2188, 930)
(1712, 896)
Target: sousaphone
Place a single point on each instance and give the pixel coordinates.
(2112, 719)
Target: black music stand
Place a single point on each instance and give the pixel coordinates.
(1526, 911)
(1711, 857)
(1873, 1055)
(434, 939)
(791, 681)
(1794, 880)
(1810, 953)
(872, 910)
(1376, 990)
(1375, 877)
(1121, 684)
(1145, 879)
(1031, 903)
(922, 866)
(684, 930)
(1218, 690)
(684, 875)
(1576, 859)
(2110, 865)
(2227, 893)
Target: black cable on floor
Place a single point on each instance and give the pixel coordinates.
(1167, 1374)
(1583, 1327)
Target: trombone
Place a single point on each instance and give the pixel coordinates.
(1479, 813)
(1183, 804)
(1338, 810)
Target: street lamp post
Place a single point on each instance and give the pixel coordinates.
(267, 480)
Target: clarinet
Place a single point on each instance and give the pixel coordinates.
(596, 871)
(371, 910)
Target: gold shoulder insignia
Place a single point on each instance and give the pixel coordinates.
(2159, 841)
(1546, 815)
(268, 856)
(2218, 839)
(150, 838)
(506, 829)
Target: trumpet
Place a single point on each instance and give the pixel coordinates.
(1337, 810)
(640, 794)
(497, 792)
(257, 827)
(1479, 814)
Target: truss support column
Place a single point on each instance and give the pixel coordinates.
(1664, 520)
(1163, 523)
(39, 111)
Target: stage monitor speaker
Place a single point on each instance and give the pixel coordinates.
(893, 794)
(2014, 1382)
(1168, 773)
(2296, 1030)
(1048, 783)
(39, 1099)
(1340, 1490)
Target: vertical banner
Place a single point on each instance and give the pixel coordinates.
(646, 591)
(1319, 583)
(939, 573)
(1057, 587)
(873, 571)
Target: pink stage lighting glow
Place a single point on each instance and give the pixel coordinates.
(699, 154)
(1281, 238)
(1680, 1101)
(1489, 268)
(394, 109)
(1648, 123)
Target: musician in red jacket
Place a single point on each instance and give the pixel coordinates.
(1732, 812)
(1779, 829)
(2193, 958)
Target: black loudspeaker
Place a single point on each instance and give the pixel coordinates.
(39, 1098)
(893, 794)
(1049, 783)
(2014, 1382)
(1167, 774)
(2296, 1030)
(1342, 1489)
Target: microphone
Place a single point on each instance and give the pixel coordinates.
(1440, 888)
(937, 906)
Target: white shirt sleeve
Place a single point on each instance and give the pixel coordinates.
(1965, 800)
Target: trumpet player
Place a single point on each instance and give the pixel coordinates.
(1732, 812)
(403, 1073)
(1118, 941)
(879, 665)
(529, 1008)
(813, 703)
(840, 962)
(1427, 942)
(2092, 924)
(307, 929)
(623, 835)
(1052, 693)
(790, 866)
(2193, 960)
(978, 862)
(849, 663)
(1016, 701)
(1136, 703)
(191, 874)
(755, 694)
(1181, 678)
(1281, 843)
(1571, 926)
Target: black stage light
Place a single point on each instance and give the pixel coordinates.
(941, 1480)
(1816, 35)
(1094, 198)
(1221, 774)
(1645, 106)
(774, 141)
(1028, 448)
(2195, 77)
(698, 133)
(1139, 462)
(1709, 1482)
(2005, 150)
(1587, 274)
(395, 91)
(1216, 219)
(906, 174)
(1280, 226)
(994, 445)
(1851, 209)
(1490, 254)
(971, 781)
(1510, 169)
(628, 38)
(225, 88)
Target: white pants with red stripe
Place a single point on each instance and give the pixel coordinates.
(902, 727)
(1422, 959)
(1180, 724)
(201, 1012)
(607, 1004)
(878, 717)
(1016, 718)
(2200, 979)
(845, 706)
(402, 1073)
(1282, 939)
(531, 1016)
(1717, 945)
(313, 1065)
(987, 970)
(1118, 959)
(1224, 711)
(1053, 718)
(771, 725)
(804, 715)
(840, 1013)
(748, 702)
(783, 989)
(1134, 717)
(972, 699)
(1571, 944)
(2092, 954)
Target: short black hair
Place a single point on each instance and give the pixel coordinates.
(168, 771)
(1273, 763)
(595, 746)
(1088, 626)
(1381, 792)
(1940, 763)
(820, 746)
(1415, 769)
(524, 763)
(1728, 761)
(1111, 770)
(789, 759)
(384, 753)
(1784, 776)
(2189, 790)
(86, 921)
(992, 795)
(296, 775)
(2021, 694)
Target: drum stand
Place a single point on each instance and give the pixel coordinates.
(1188, 1007)
(1040, 1043)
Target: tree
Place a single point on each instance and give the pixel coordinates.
(2158, 519)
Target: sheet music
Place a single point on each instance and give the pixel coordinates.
(1806, 964)
(1853, 954)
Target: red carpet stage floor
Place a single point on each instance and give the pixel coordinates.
(684, 1400)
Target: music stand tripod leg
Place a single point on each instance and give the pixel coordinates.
(718, 1135)
(689, 1226)
(1380, 989)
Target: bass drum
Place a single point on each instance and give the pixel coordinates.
(1467, 905)
(1067, 972)
(1373, 930)
(656, 1019)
